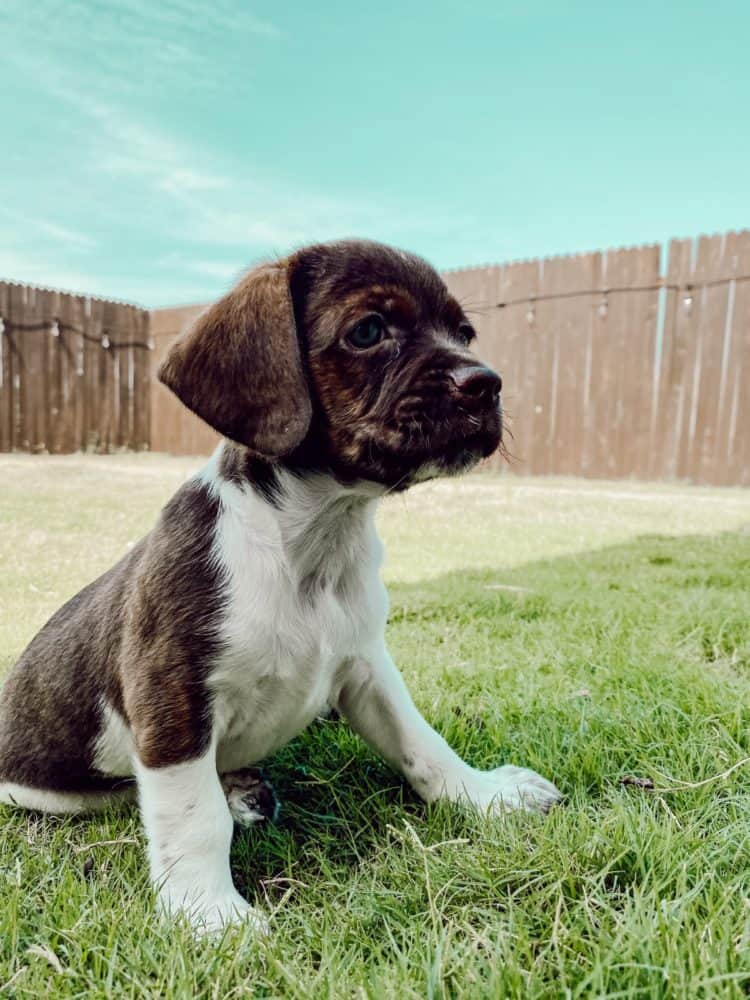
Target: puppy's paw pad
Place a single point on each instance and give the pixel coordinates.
(251, 799)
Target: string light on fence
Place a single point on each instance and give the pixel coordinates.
(603, 307)
(657, 286)
(531, 313)
(688, 304)
(57, 328)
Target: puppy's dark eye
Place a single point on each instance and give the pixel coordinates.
(466, 333)
(367, 333)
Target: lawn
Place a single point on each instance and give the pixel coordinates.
(593, 631)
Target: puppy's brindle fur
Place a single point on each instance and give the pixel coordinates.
(256, 600)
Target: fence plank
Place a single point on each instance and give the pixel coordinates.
(93, 381)
(678, 319)
(594, 364)
(517, 283)
(124, 364)
(491, 346)
(6, 372)
(108, 399)
(75, 343)
(553, 318)
(618, 274)
(143, 376)
(48, 345)
(32, 342)
(568, 382)
(707, 361)
(66, 349)
(18, 430)
(648, 267)
(141, 384)
(735, 441)
(729, 355)
(53, 389)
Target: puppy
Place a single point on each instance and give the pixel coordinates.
(336, 375)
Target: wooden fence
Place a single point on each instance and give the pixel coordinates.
(75, 372)
(613, 369)
(615, 364)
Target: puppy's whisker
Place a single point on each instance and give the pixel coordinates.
(397, 484)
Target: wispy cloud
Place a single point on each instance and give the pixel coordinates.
(125, 146)
(220, 205)
(61, 234)
(97, 41)
(186, 15)
(185, 213)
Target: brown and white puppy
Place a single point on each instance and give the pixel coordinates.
(336, 375)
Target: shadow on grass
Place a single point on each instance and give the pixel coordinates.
(562, 617)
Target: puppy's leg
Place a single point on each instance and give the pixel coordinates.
(189, 831)
(377, 704)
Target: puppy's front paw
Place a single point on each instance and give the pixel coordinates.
(510, 787)
(251, 799)
(211, 915)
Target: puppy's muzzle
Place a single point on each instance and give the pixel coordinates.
(475, 387)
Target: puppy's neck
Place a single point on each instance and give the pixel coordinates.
(324, 526)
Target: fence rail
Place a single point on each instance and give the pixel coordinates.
(75, 372)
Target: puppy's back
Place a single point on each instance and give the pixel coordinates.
(50, 704)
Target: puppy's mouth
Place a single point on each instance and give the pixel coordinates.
(459, 448)
(431, 447)
(458, 425)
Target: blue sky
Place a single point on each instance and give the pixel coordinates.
(152, 149)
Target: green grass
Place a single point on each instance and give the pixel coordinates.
(591, 631)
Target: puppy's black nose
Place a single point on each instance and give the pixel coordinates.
(476, 384)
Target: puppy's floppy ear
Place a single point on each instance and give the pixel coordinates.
(240, 369)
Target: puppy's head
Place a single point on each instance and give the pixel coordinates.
(350, 357)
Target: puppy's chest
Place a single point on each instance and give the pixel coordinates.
(286, 634)
(285, 645)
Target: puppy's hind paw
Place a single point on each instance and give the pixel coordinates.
(251, 799)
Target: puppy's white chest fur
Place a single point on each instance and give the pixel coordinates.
(302, 596)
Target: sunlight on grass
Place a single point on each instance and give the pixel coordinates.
(592, 631)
